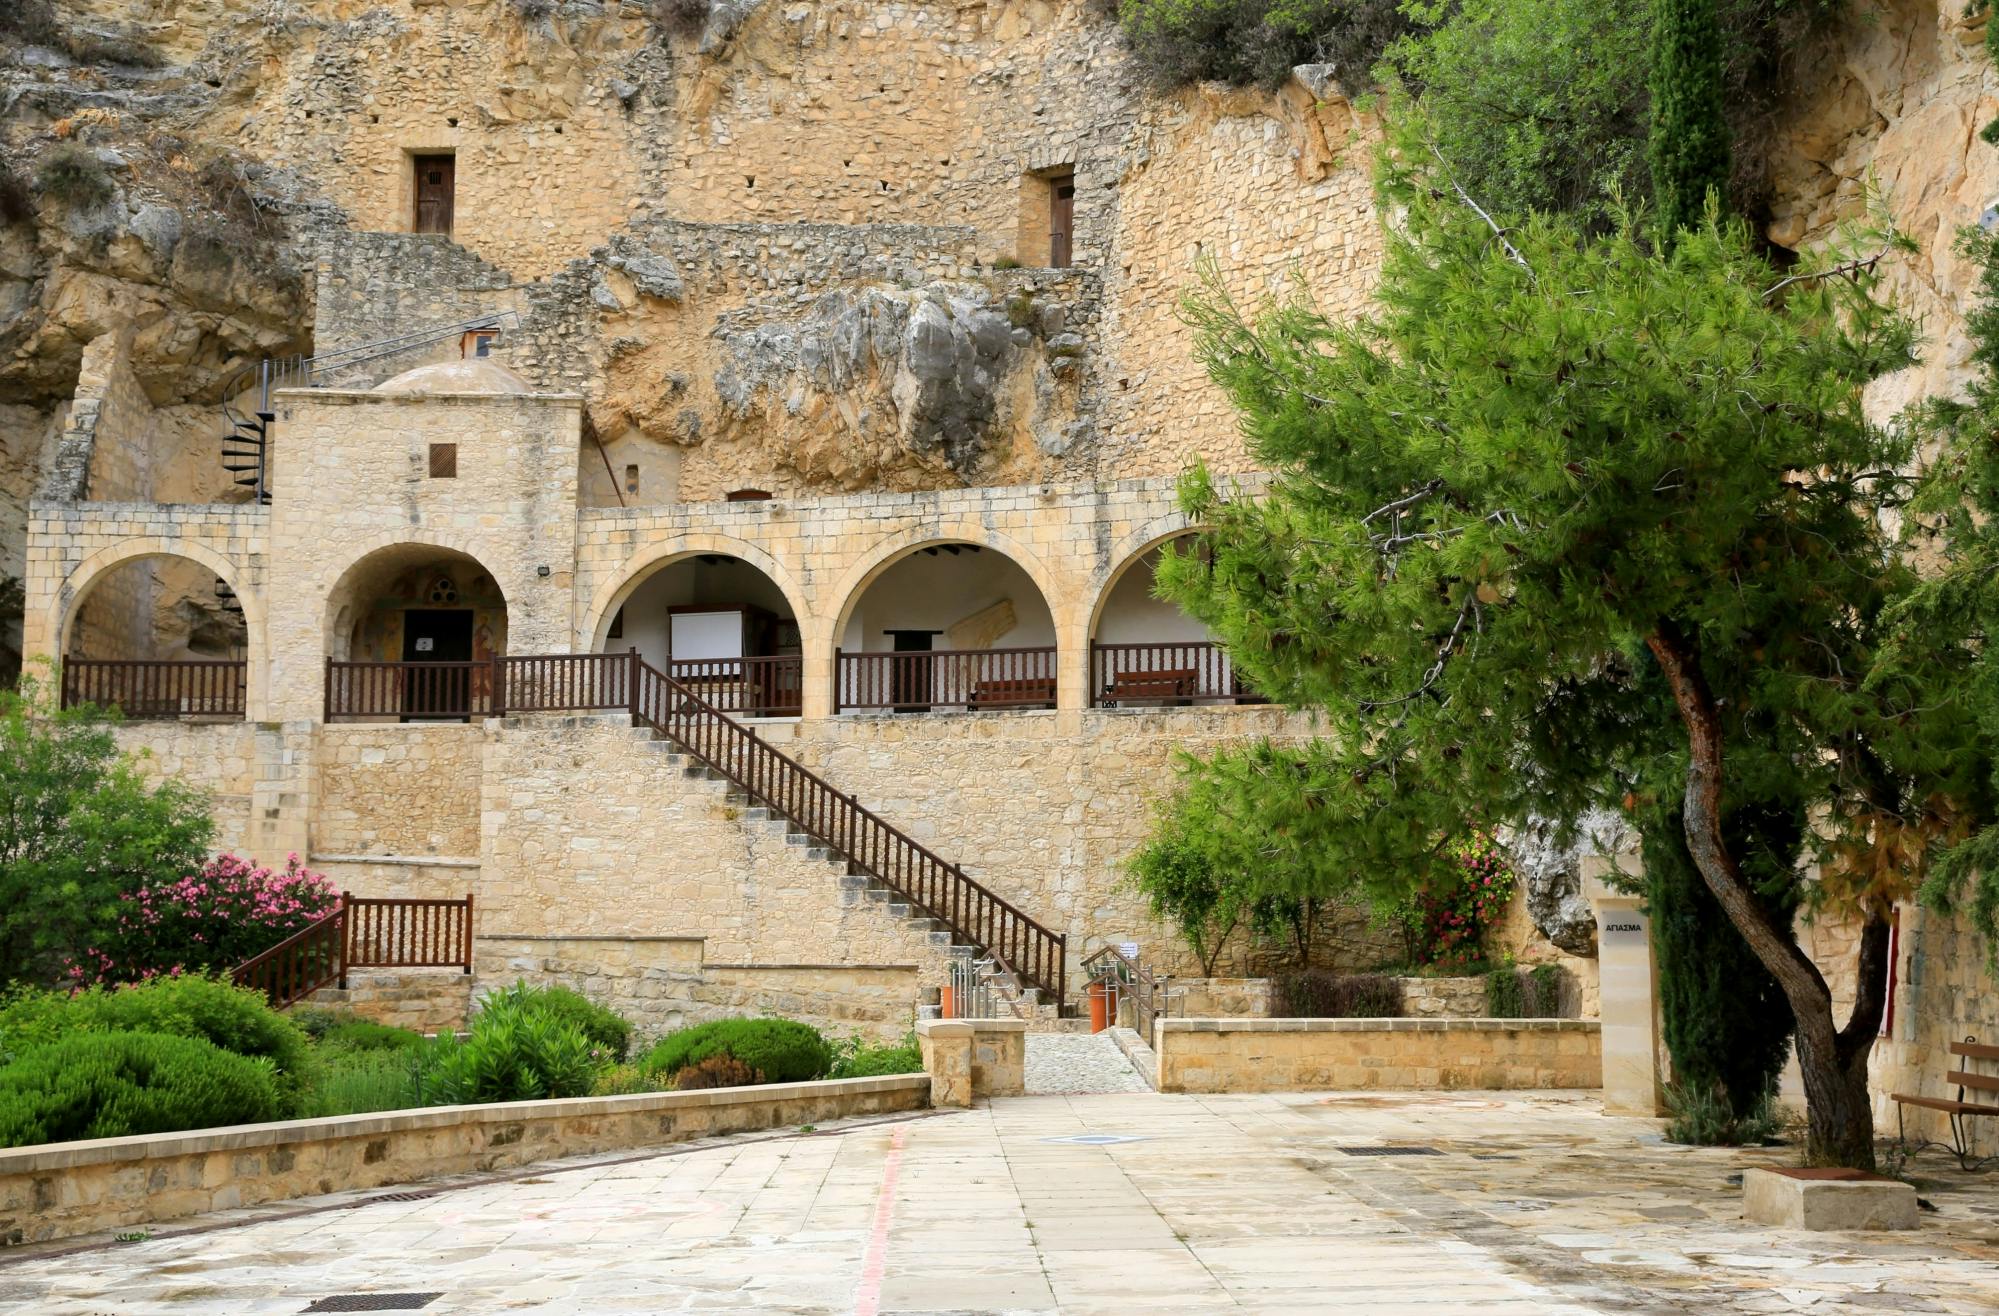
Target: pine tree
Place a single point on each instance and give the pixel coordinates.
(1688, 143)
(1553, 471)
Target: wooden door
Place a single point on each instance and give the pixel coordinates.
(442, 636)
(434, 193)
(1061, 219)
(910, 676)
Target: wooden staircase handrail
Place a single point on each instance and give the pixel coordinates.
(867, 841)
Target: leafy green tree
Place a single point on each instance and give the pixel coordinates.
(1688, 142)
(1550, 466)
(1234, 848)
(1537, 107)
(79, 826)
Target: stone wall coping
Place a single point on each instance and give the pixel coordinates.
(944, 1028)
(1379, 1025)
(578, 936)
(240, 1137)
(404, 860)
(994, 1025)
(899, 968)
(89, 507)
(350, 397)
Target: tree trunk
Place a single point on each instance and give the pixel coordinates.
(1833, 1062)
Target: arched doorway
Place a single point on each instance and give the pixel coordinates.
(1145, 652)
(721, 627)
(412, 634)
(947, 626)
(157, 635)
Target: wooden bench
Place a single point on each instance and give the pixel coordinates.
(1166, 683)
(1977, 1094)
(1018, 690)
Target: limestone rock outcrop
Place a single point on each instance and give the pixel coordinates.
(1548, 861)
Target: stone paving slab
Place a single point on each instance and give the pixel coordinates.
(1072, 1063)
(1085, 1204)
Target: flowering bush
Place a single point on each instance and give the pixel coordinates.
(217, 918)
(1450, 920)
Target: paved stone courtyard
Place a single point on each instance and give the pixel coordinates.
(1083, 1204)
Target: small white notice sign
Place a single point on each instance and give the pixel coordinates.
(425, 644)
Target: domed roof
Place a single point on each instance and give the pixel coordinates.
(472, 375)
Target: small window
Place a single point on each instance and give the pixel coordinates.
(443, 461)
(1061, 220)
(478, 343)
(747, 495)
(631, 479)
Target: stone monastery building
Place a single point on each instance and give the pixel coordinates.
(808, 390)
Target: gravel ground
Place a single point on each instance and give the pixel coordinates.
(1078, 1062)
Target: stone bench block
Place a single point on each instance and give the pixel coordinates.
(1827, 1199)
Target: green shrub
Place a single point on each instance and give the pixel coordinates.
(351, 1036)
(1244, 41)
(236, 1019)
(515, 1053)
(855, 1058)
(607, 1031)
(1705, 1117)
(361, 1082)
(74, 176)
(780, 1050)
(1319, 995)
(623, 1081)
(115, 1085)
(1531, 993)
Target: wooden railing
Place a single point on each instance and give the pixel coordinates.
(410, 691)
(149, 690)
(867, 842)
(363, 933)
(753, 687)
(562, 683)
(301, 964)
(946, 678)
(1173, 672)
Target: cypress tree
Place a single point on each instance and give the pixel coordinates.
(1724, 1018)
(1688, 143)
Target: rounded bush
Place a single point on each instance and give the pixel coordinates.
(515, 1053)
(354, 1035)
(717, 1071)
(778, 1050)
(608, 1032)
(236, 1019)
(116, 1085)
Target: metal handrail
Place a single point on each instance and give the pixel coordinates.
(274, 373)
(869, 843)
(1110, 962)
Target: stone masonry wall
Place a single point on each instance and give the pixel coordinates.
(1303, 1055)
(219, 759)
(588, 827)
(398, 790)
(1043, 815)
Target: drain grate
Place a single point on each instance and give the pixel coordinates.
(379, 1198)
(1391, 1151)
(375, 1302)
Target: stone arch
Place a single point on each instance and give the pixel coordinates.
(339, 588)
(864, 573)
(67, 604)
(652, 558)
(1127, 554)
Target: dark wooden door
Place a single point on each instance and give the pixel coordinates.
(442, 636)
(909, 676)
(1061, 219)
(433, 193)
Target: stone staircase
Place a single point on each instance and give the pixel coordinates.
(858, 888)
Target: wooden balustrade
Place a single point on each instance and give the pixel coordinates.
(868, 843)
(1173, 672)
(971, 679)
(146, 690)
(562, 683)
(409, 691)
(363, 933)
(753, 687)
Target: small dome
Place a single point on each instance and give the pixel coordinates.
(468, 376)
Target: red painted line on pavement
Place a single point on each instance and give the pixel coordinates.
(868, 1298)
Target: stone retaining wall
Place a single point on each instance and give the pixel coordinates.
(1291, 1055)
(65, 1189)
